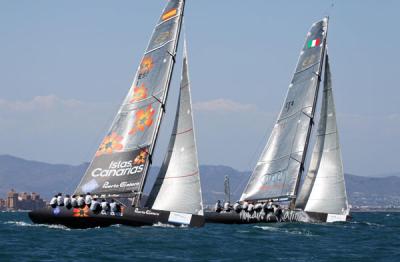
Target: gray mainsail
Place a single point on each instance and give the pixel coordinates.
(324, 190)
(276, 175)
(120, 165)
(179, 172)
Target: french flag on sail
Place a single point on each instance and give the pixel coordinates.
(313, 43)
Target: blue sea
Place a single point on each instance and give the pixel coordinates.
(368, 237)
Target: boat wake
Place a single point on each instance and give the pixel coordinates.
(365, 223)
(294, 231)
(159, 224)
(24, 224)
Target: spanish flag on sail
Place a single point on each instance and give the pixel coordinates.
(169, 14)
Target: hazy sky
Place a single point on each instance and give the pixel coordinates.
(66, 66)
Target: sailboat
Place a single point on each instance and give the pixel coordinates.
(277, 175)
(120, 166)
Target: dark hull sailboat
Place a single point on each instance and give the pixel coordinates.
(129, 216)
(286, 215)
(277, 175)
(121, 164)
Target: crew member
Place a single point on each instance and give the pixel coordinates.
(113, 207)
(53, 201)
(88, 199)
(60, 201)
(227, 207)
(94, 205)
(67, 201)
(258, 207)
(74, 202)
(250, 208)
(237, 207)
(81, 201)
(218, 206)
(104, 206)
(245, 206)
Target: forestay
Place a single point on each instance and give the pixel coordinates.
(120, 165)
(324, 190)
(280, 165)
(180, 171)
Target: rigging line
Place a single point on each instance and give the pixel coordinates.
(251, 159)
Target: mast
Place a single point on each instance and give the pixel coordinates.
(121, 163)
(277, 173)
(227, 190)
(177, 187)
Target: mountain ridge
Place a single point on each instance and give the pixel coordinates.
(47, 179)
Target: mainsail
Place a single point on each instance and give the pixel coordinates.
(324, 190)
(179, 172)
(120, 165)
(277, 172)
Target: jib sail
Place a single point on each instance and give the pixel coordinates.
(324, 190)
(179, 172)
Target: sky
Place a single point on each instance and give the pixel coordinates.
(67, 65)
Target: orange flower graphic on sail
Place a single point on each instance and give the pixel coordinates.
(81, 212)
(110, 144)
(145, 66)
(141, 158)
(139, 93)
(143, 119)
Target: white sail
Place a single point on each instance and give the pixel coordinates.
(277, 172)
(324, 188)
(177, 187)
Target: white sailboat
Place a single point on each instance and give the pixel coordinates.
(277, 175)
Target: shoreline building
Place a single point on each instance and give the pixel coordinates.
(23, 201)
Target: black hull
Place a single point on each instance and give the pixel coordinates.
(130, 216)
(256, 217)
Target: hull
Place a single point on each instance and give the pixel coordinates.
(259, 217)
(129, 216)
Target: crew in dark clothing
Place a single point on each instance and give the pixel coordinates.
(60, 200)
(94, 205)
(74, 201)
(53, 201)
(218, 207)
(67, 201)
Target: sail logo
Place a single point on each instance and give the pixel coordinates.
(123, 184)
(145, 66)
(118, 168)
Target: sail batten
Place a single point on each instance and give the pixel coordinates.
(180, 171)
(281, 163)
(121, 163)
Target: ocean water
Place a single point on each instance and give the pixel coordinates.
(369, 237)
